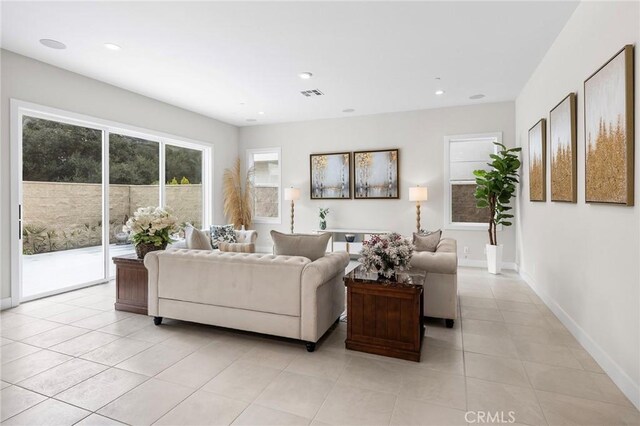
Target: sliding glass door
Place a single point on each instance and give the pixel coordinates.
(134, 182)
(183, 171)
(78, 180)
(61, 206)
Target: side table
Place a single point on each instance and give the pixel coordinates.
(131, 284)
(385, 317)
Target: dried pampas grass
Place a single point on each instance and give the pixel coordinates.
(238, 202)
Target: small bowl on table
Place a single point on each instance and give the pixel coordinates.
(349, 237)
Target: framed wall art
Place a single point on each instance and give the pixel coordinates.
(376, 174)
(608, 129)
(564, 164)
(330, 176)
(537, 161)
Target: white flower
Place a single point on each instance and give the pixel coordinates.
(150, 220)
(386, 254)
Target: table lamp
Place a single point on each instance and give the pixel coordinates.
(292, 194)
(418, 194)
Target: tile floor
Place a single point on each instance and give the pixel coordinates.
(72, 359)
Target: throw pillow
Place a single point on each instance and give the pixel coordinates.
(237, 247)
(427, 242)
(222, 233)
(196, 239)
(311, 246)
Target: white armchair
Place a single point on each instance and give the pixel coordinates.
(245, 242)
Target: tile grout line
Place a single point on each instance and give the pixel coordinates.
(86, 379)
(464, 361)
(187, 396)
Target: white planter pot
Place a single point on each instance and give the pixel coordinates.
(494, 258)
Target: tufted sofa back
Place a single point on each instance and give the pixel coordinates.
(260, 282)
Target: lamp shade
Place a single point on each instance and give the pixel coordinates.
(418, 193)
(291, 194)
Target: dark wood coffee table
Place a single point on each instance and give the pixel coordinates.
(385, 317)
(131, 284)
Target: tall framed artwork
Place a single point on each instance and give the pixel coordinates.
(608, 129)
(330, 176)
(538, 161)
(376, 174)
(563, 147)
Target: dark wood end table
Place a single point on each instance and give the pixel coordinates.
(131, 284)
(385, 317)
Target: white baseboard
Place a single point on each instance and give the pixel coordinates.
(5, 303)
(483, 264)
(626, 384)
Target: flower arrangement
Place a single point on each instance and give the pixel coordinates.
(151, 229)
(323, 212)
(386, 254)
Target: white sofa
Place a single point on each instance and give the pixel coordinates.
(287, 296)
(441, 284)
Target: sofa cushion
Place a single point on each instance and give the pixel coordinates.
(222, 233)
(311, 246)
(237, 247)
(196, 239)
(427, 242)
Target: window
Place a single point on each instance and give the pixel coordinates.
(266, 182)
(463, 155)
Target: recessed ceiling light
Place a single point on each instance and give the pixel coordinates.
(305, 75)
(54, 44)
(251, 120)
(478, 96)
(439, 92)
(261, 112)
(437, 78)
(112, 46)
(348, 110)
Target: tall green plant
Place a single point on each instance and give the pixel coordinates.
(497, 186)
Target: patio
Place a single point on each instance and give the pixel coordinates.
(47, 273)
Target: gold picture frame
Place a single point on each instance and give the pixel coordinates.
(609, 133)
(563, 150)
(538, 161)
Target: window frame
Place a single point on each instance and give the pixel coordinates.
(448, 223)
(249, 162)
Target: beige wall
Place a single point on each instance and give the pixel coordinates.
(420, 137)
(33, 81)
(583, 259)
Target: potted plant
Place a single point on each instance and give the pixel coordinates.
(386, 255)
(495, 189)
(151, 229)
(323, 217)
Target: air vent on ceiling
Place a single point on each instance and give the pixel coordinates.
(310, 93)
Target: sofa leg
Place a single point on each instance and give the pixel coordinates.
(448, 323)
(311, 346)
(157, 320)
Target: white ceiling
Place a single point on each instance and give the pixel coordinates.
(375, 57)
